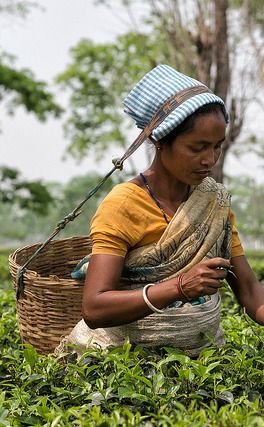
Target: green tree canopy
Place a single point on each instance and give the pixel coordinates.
(21, 88)
(22, 194)
(193, 36)
(247, 202)
(30, 226)
(98, 79)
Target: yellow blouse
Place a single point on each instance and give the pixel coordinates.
(129, 218)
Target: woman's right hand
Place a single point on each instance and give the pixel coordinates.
(205, 278)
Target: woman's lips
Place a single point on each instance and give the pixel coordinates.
(203, 172)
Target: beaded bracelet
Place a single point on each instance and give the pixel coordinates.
(147, 301)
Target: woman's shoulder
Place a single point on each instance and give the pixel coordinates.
(120, 218)
(126, 200)
(129, 188)
(125, 193)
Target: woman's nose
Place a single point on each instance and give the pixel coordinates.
(209, 159)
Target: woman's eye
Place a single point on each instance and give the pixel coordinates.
(197, 149)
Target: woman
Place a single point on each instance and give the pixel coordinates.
(164, 241)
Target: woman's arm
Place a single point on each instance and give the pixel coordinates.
(105, 305)
(246, 287)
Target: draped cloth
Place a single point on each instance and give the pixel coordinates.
(200, 229)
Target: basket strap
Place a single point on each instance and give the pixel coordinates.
(170, 105)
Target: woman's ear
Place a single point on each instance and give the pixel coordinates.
(155, 143)
(152, 140)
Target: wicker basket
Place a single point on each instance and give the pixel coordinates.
(51, 304)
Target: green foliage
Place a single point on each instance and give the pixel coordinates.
(98, 79)
(251, 144)
(246, 203)
(254, 254)
(100, 76)
(4, 271)
(131, 386)
(258, 268)
(64, 199)
(256, 261)
(178, 33)
(256, 10)
(247, 200)
(23, 89)
(20, 88)
(73, 192)
(29, 195)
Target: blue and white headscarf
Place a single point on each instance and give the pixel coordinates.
(154, 89)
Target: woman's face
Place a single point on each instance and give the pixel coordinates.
(192, 155)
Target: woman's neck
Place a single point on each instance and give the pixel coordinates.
(166, 187)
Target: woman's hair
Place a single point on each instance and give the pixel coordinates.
(188, 124)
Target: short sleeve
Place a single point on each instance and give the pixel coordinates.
(237, 248)
(116, 226)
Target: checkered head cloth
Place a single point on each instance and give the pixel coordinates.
(155, 88)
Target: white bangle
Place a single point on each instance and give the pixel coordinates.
(147, 301)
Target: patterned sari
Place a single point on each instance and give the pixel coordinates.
(200, 229)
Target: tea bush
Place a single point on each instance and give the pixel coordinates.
(258, 267)
(129, 386)
(256, 260)
(4, 271)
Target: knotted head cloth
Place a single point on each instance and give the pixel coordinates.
(156, 88)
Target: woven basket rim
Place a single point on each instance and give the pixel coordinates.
(12, 258)
(51, 302)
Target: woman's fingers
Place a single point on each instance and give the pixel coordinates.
(220, 272)
(213, 283)
(217, 262)
(211, 290)
(206, 277)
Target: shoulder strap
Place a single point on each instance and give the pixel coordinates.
(173, 102)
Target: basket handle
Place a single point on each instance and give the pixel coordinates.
(20, 283)
(170, 105)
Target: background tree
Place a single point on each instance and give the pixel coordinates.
(247, 201)
(195, 37)
(73, 192)
(20, 88)
(19, 8)
(97, 80)
(22, 194)
(253, 25)
(31, 226)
